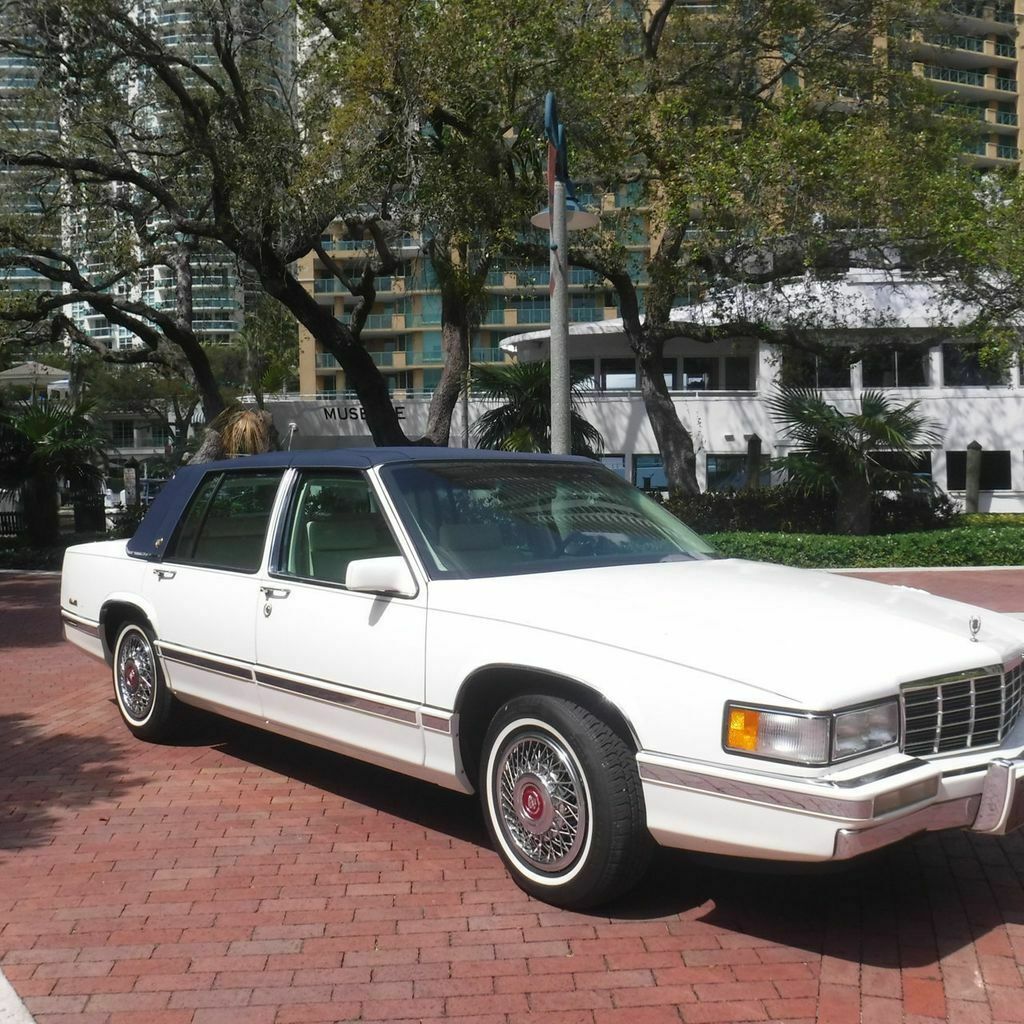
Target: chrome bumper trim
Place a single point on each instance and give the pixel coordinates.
(736, 789)
(949, 814)
(1002, 798)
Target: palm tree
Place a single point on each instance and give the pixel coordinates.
(522, 423)
(851, 456)
(41, 446)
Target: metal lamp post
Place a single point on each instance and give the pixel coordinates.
(563, 214)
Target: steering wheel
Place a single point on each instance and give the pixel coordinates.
(578, 544)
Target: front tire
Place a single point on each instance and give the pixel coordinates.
(563, 802)
(146, 705)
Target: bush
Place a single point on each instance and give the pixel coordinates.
(962, 545)
(787, 510)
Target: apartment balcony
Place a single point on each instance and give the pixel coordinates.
(326, 361)
(976, 17)
(971, 52)
(486, 355)
(969, 84)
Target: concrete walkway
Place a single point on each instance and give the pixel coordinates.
(237, 877)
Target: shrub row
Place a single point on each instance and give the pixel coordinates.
(962, 545)
(785, 509)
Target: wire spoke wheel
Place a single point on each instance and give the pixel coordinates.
(562, 801)
(541, 800)
(147, 706)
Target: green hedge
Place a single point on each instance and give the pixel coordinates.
(961, 545)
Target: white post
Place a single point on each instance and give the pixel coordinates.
(561, 443)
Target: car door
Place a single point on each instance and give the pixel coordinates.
(206, 591)
(341, 668)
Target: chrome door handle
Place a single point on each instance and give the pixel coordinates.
(280, 592)
(164, 574)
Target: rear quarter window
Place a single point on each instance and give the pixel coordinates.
(225, 524)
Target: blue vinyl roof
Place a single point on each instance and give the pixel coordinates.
(155, 530)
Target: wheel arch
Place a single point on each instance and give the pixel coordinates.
(116, 611)
(488, 687)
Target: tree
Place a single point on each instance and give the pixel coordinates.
(522, 423)
(851, 455)
(766, 143)
(459, 151)
(142, 150)
(42, 446)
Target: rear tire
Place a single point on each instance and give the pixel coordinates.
(563, 802)
(147, 706)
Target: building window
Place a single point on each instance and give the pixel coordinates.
(160, 433)
(581, 373)
(807, 370)
(899, 462)
(962, 367)
(995, 471)
(649, 473)
(738, 375)
(729, 472)
(700, 373)
(431, 378)
(616, 463)
(123, 433)
(669, 369)
(618, 375)
(894, 367)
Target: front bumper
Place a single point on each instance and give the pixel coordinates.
(746, 814)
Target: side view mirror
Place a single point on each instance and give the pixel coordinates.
(388, 575)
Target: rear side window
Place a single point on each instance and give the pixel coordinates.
(225, 524)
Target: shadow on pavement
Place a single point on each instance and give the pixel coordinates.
(364, 784)
(29, 611)
(49, 776)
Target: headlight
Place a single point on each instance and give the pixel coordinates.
(808, 738)
(864, 729)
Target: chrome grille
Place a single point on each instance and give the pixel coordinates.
(961, 713)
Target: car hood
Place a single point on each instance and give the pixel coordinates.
(812, 637)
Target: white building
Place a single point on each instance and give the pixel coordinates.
(720, 388)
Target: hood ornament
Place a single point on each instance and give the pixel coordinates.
(974, 623)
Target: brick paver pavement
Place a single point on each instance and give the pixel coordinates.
(240, 877)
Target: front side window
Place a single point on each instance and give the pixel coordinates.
(335, 519)
(225, 525)
(501, 518)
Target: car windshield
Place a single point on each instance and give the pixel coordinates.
(499, 518)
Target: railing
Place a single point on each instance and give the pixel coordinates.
(429, 356)
(486, 355)
(957, 42)
(533, 315)
(12, 523)
(326, 361)
(1006, 50)
(580, 275)
(526, 278)
(494, 316)
(1007, 152)
(1006, 117)
(378, 322)
(584, 314)
(1006, 84)
(957, 75)
(383, 358)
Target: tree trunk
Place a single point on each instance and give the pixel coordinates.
(361, 373)
(455, 341)
(673, 439)
(853, 506)
(40, 500)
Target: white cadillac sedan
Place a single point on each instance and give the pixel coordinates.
(534, 629)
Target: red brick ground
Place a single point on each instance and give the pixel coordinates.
(239, 877)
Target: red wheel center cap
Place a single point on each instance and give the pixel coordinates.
(533, 802)
(131, 675)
